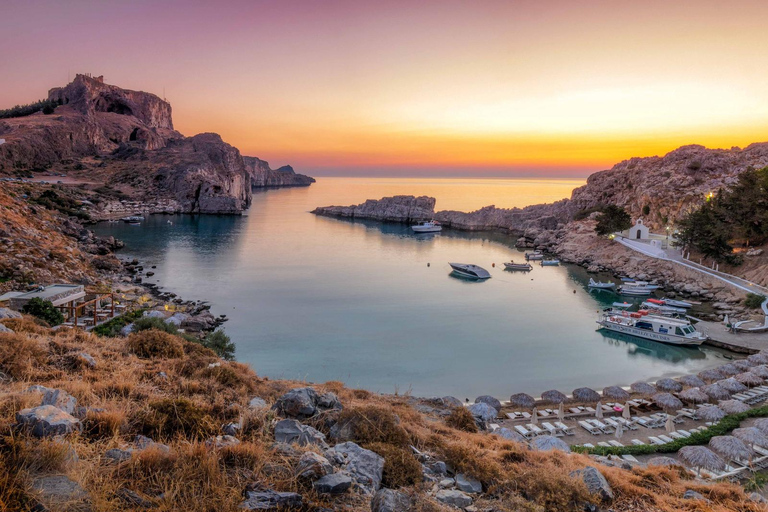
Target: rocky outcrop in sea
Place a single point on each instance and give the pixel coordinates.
(262, 176)
(387, 209)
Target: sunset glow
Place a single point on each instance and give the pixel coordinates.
(506, 88)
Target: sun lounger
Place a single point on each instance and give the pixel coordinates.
(615, 443)
(589, 428)
(535, 429)
(494, 426)
(630, 458)
(564, 428)
(655, 440)
(676, 435)
(526, 415)
(666, 439)
(602, 426)
(552, 429)
(637, 442)
(590, 409)
(646, 422)
(629, 424)
(575, 410)
(603, 444)
(513, 415)
(611, 422)
(543, 413)
(684, 433)
(524, 432)
(588, 445)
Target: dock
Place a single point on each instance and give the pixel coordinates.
(740, 342)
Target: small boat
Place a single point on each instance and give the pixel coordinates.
(634, 290)
(470, 270)
(653, 304)
(511, 265)
(133, 219)
(430, 226)
(677, 303)
(599, 284)
(627, 280)
(675, 331)
(646, 284)
(535, 255)
(622, 305)
(549, 263)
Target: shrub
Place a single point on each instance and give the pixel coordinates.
(153, 343)
(461, 419)
(646, 209)
(111, 328)
(754, 300)
(373, 424)
(44, 310)
(220, 343)
(401, 468)
(151, 322)
(170, 417)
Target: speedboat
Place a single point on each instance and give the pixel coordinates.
(654, 304)
(470, 270)
(675, 331)
(599, 284)
(511, 265)
(677, 303)
(535, 255)
(622, 305)
(430, 226)
(133, 219)
(634, 290)
(550, 263)
(645, 284)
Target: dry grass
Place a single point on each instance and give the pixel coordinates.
(401, 469)
(20, 355)
(461, 419)
(153, 343)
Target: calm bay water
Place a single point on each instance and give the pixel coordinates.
(374, 305)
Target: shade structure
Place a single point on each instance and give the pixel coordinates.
(701, 457)
(616, 393)
(762, 425)
(693, 395)
(663, 461)
(733, 406)
(749, 379)
(547, 443)
(760, 371)
(732, 385)
(668, 385)
(759, 358)
(554, 396)
(691, 381)
(522, 400)
(667, 401)
(711, 413)
(643, 388)
(753, 436)
(730, 447)
(716, 391)
(586, 395)
(743, 364)
(728, 369)
(509, 435)
(711, 375)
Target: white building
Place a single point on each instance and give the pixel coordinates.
(639, 231)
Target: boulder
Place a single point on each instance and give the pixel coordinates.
(313, 466)
(271, 500)
(467, 484)
(453, 497)
(57, 491)
(145, 443)
(154, 314)
(133, 499)
(452, 401)
(126, 330)
(365, 466)
(8, 313)
(387, 500)
(257, 403)
(61, 399)
(117, 455)
(87, 359)
(304, 403)
(335, 483)
(222, 441)
(487, 399)
(483, 413)
(595, 482)
(47, 420)
(176, 319)
(231, 429)
(291, 431)
(201, 322)
(693, 495)
(37, 388)
(5, 329)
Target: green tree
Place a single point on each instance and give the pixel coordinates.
(614, 218)
(44, 310)
(646, 210)
(219, 342)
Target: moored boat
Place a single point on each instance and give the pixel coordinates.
(535, 255)
(675, 331)
(677, 303)
(470, 270)
(622, 305)
(654, 304)
(601, 285)
(430, 226)
(511, 265)
(638, 291)
(550, 263)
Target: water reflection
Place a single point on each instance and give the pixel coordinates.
(638, 347)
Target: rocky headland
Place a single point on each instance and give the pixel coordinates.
(263, 176)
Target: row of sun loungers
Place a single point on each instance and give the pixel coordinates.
(530, 431)
(753, 396)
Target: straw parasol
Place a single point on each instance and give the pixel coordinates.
(716, 392)
(711, 413)
(663, 461)
(691, 381)
(667, 401)
(728, 369)
(522, 400)
(760, 371)
(643, 388)
(730, 447)
(732, 385)
(749, 379)
(553, 396)
(711, 375)
(733, 406)
(743, 364)
(752, 436)
(586, 395)
(701, 457)
(669, 385)
(693, 395)
(547, 443)
(616, 393)
(759, 358)
(762, 425)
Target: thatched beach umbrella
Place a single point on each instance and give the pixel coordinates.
(667, 401)
(762, 425)
(730, 447)
(749, 379)
(711, 413)
(743, 364)
(616, 393)
(663, 461)
(701, 457)
(716, 391)
(759, 358)
(522, 400)
(693, 395)
(752, 436)
(711, 375)
(553, 396)
(733, 406)
(732, 385)
(728, 369)
(691, 381)
(586, 395)
(547, 443)
(643, 388)
(760, 371)
(669, 385)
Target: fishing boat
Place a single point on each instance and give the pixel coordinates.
(550, 263)
(430, 226)
(638, 291)
(677, 303)
(600, 285)
(511, 265)
(535, 255)
(675, 331)
(470, 270)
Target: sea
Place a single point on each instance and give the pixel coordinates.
(377, 307)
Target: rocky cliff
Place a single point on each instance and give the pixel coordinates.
(388, 209)
(262, 176)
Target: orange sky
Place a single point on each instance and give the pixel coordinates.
(547, 87)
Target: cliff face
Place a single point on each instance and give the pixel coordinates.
(387, 209)
(263, 176)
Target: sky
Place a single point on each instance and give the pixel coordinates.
(429, 88)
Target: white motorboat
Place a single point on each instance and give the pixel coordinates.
(511, 265)
(133, 219)
(549, 263)
(638, 291)
(677, 303)
(644, 284)
(653, 304)
(535, 255)
(675, 331)
(622, 305)
(470, 270)
(601, 285)
(430, 226)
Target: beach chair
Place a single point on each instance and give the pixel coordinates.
(676, 435)
(494, 426)
(543, 413)
(603, 444)
(628, 424)
(575, 410)
(524, 432)
(645, 421)
(564, 428)
(615, 443)
(611, 422)
(526, 415)
(588, 445)
(602, 426)
(630, 458)
(666, 439)
(655, 440)
(684, 433)
(590, 409)
(589, 428)
(554, 431)
(535, 429)
(512, 415)
(638, 442)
